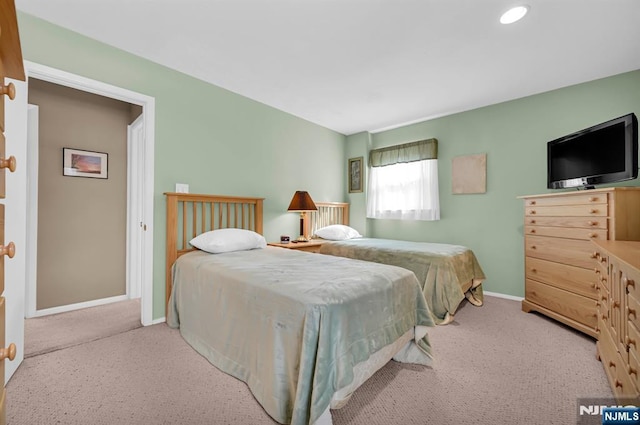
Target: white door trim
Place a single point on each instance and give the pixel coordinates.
(63, 78)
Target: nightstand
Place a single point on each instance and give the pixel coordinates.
(312, 246)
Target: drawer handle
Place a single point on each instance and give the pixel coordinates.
(532, 231)
(533, 247)
(593, 285)
(603, 260)
(604, 298)
(632, 371)
(8, 353)
(9, 90)
(596, 270)
(532, 202)
(630, 312)
(593, 211)
(615, 304)
(618, 384)
(532, 212)
(595, 254)
(9, 250)
(592, 199)
(532, 221)
(628, 282)
(593, 235)
(592, 223)
(9, 163)
(629, 341)
(534, 270)
(611, 364)
(604, 279)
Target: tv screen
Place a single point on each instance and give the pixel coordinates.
(604, 153)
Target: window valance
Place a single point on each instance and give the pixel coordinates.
(408, 152)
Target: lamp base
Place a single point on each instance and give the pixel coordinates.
(302, 239)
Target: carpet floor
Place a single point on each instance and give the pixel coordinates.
(494, 365)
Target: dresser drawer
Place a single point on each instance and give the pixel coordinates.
(588, 198)
(2, 170)
(576, 307)
(574, 279)
(631, 281)
(2, 98)
(596, 210)
(634, 368)
(568, 251)
(566, 232)
(2, 243)
(2, 334)
(606, 348)
(582, 222)
(632, 311)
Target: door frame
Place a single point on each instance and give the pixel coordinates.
(142, 207)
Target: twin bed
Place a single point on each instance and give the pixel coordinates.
(302, 330)
(447, 273)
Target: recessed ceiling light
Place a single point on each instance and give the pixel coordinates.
(514, 14)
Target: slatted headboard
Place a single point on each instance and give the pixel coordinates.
(328, 213)
(189, 215)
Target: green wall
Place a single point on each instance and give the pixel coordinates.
(216, 141)
(514, 136)
(223, 143)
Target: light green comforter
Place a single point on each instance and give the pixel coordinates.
(441, 269)
(292, 324)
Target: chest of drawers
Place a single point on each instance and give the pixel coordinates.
(617, 267)
(11, 66)
(559, 255)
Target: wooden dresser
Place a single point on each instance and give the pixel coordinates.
(617, 270)
(559, 254)
(11, 66)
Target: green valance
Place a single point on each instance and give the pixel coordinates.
(408, 152)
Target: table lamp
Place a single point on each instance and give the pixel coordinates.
(302, 202)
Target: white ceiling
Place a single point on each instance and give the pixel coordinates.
(366, 65)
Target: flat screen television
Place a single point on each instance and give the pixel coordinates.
(604, 153)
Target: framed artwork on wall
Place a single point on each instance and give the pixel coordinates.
(355, 175)
(81, 163)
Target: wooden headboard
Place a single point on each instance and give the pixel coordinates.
(189, 215)
(328, 213)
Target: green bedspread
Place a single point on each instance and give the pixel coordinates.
(442, 269)
(292, 325)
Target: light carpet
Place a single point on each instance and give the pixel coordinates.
(54, 332)
(494, 365)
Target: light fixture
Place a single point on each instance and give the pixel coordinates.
(514, 14)
(302, 202)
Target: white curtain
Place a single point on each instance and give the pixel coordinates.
(404, 191)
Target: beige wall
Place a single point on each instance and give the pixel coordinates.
(81, 221)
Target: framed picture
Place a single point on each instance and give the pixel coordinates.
(355, 175)
(80, 163)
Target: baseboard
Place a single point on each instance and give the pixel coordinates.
(78, 306)
(499, 295)
(156, 321)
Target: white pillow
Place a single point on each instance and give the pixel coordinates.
(227, 240)
(337, 232)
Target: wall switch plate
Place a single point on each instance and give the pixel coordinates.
(182, 188)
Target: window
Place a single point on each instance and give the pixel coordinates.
(403, 182)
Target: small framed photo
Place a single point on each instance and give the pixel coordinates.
(355, 175)
(81, 163)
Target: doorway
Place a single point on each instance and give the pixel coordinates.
(139, 234)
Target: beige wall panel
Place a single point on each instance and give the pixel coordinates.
(81, 221)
